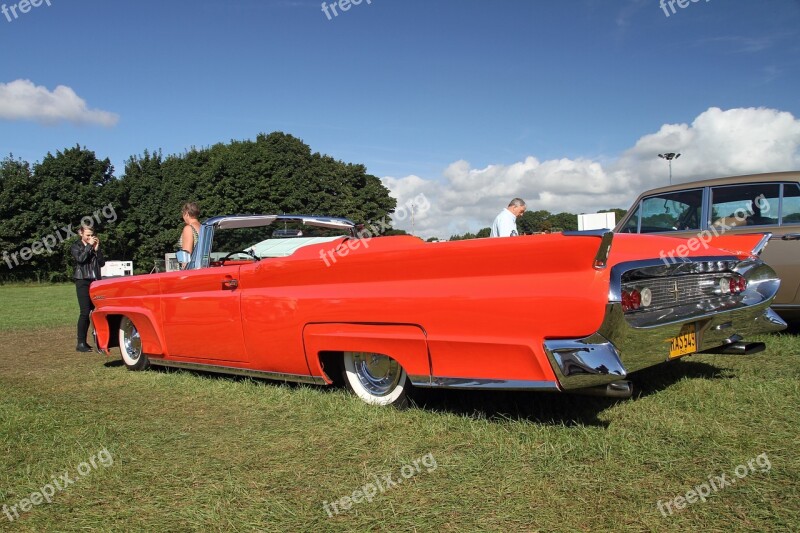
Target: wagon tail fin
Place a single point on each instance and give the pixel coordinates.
(748, 245)
(606, 237)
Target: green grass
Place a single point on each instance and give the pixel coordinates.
(197, 452)
(26, 306)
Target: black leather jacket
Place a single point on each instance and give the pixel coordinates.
(88, 262)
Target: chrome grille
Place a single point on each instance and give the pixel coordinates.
(679, 290)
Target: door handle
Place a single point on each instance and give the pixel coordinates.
(230, 284)
(791, 237)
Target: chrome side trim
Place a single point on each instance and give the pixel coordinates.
(585, 233)
(786, 307)
(482, 384)
(261, 374)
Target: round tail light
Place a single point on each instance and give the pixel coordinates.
(737, 284)
(725, 285)
(647, 297)
(636, 299)
(742, 285)
(626, 301)
(631, 301)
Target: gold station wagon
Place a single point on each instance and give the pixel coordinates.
(758, 203)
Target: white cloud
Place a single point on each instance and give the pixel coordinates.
(22, 100)
(717, 143)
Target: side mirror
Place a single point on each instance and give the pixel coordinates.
(183, 257)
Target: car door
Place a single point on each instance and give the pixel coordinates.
(764, 207)
(202, 315)
(786, 243)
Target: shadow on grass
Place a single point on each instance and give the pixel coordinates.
(793, 328)
(557, 408)
(571, 410)
(657, 378)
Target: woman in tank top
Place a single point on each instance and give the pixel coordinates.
(191, 231)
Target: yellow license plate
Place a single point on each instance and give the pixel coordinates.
(683, 343)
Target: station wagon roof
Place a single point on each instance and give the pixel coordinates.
(730, 180)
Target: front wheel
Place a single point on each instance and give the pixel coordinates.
(93, 333)
(130, 344)
(377, 379)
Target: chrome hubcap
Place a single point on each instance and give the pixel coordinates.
(133, 343)
(378, 374)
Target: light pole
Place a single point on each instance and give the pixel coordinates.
(669, 156)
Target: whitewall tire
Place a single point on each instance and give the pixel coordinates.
(377, 379)
(130, 345)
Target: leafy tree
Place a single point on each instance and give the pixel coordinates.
(619, 214)
(563, 222)
(533, 221)
(276, 173)
(16, 188)
(44, 207)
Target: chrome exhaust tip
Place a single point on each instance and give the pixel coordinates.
(615, 389)
(738, 348)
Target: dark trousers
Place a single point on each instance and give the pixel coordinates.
(86, 305)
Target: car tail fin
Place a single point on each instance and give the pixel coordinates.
(603, 250)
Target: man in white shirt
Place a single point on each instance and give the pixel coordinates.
(505, 224)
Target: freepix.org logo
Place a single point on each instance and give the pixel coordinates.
(342, 5)
(683, 4)
(21, 8)
(57, 483)
(46, 244)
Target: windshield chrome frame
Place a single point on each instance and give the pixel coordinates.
(202, 252)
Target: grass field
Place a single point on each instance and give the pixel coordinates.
(182, 451)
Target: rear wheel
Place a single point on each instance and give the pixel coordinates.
(130, 344)
(375, 378)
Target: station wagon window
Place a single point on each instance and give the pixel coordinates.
(632, 224)
(791, 203)
(753, 204)
(680, 210)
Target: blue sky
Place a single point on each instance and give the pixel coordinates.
(435, 96)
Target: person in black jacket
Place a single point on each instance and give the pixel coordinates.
(88, 261)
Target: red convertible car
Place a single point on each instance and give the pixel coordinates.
(315, 300)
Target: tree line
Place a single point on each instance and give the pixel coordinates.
(542, 221)
(138, 215)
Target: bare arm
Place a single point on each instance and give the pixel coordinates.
(187, 239)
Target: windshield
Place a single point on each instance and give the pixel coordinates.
(279, 239)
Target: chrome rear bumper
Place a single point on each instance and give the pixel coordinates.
(623, 344)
